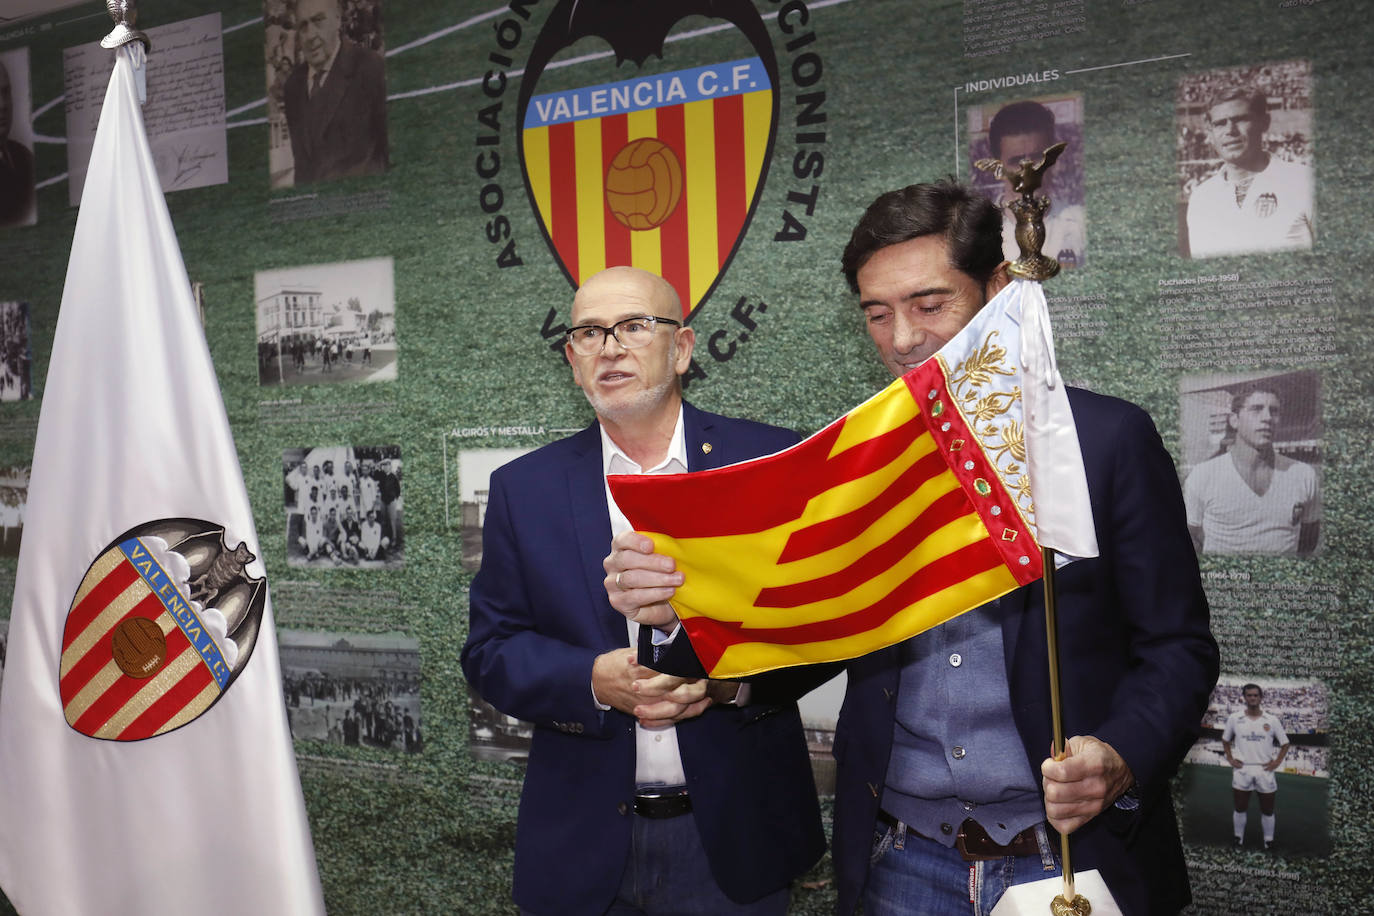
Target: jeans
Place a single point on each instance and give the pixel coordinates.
(911, 874)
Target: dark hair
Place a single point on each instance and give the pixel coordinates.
(1252, 687)
(970, 224)
(1256, 101)
(1019, 118)
(1240, 395)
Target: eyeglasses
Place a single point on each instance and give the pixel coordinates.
(630, 333)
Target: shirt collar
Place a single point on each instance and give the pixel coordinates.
(328, 65)
(615, 461)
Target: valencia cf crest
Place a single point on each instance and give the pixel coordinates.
(161, 625)
(661, 169)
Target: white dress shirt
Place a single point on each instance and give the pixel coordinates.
(657, 761)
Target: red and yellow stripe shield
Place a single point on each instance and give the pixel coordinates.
(660, 172)
(889, 521)
(137, 660)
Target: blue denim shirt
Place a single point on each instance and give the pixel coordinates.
(956, 753)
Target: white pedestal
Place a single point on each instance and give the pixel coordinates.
(1034, 899)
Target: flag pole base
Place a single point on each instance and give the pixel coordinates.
(1047, 896)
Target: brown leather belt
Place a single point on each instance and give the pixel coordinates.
(660, 805)
(973, 841)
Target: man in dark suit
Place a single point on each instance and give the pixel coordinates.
(16, 164)
(335, 100)
(942, 784)
(628, 771)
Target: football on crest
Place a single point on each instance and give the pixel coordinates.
(644, 183)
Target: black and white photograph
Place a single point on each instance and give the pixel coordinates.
(1258, 779)
(1245, 160)
(356, 689)
(1023, 129)
(18, 202)
(474, 477)
(14, 497)
(344, 507)
(16, 356)
(493, 735)
(1251, 463)
(327, 323)
(326, 90)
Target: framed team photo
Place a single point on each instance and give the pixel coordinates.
(344, 507)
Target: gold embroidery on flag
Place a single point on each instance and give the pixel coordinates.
(992, 413)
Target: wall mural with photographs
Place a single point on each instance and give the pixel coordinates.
(384, 207)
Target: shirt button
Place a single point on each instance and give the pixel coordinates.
(946, 829)
(658, 737)
(958, 752)
(956, 660)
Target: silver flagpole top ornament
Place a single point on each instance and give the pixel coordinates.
(125, 14)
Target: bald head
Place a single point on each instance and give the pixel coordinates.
(627, 289)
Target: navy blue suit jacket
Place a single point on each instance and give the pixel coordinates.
(1138, 664)
(539, 617)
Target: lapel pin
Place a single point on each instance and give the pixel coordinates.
(706, 448)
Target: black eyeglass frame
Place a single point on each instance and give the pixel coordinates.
(607, 333)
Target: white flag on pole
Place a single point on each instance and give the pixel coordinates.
(1059, 486)
(145, 761)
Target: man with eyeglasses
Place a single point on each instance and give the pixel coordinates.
(644, 793)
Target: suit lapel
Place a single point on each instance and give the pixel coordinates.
(325, 103)
(697, 430)
(592, 522)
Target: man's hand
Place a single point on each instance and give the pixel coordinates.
(666, 699)
(1091, 776)
(639, 582)
(656, 700)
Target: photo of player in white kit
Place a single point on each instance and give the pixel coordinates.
(1255, 745)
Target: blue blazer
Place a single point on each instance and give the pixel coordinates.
(1137, 660)
(539, 616)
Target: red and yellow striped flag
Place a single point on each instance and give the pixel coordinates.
(911, 509)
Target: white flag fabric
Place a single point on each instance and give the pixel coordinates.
(1059, 488)
(145, 761)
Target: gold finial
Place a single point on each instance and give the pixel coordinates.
(1030, 209)
(125, 14)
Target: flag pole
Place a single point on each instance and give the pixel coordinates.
(1069, 901)
(1025, 178)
